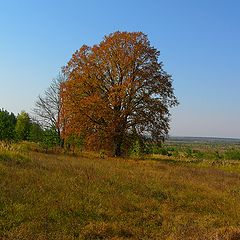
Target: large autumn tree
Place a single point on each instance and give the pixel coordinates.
(115, 89)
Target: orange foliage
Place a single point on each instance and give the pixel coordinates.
(115, 88)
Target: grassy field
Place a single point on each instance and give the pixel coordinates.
(57, 196)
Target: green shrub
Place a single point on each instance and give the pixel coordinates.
(50, 139)
(74, 143)
(217, 155)
(12, 157)
(232, 155)
(135, 151)
(197, 154)
(166, 151)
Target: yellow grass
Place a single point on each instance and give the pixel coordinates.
(47, 196)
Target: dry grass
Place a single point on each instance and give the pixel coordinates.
(65, 197)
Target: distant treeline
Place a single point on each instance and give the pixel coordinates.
(23, 128)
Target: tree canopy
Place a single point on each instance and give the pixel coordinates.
(7, 125)
(22, 127)
(114, 89)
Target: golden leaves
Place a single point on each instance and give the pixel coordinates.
(110, 84)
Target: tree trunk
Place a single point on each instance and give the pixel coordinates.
(118, 151)
(61, 140)
(118, 140)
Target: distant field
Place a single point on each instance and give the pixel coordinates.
(218, 150)
(204, 140)
(57, 196)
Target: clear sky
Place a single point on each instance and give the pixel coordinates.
(199, 41)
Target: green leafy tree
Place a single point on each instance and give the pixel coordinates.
(35, 132)
(7, 125)
(22, 126)
(50, 139)
(74, 142)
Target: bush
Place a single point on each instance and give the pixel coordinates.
(50, 139)
(198, 154)
(74, 142)
(232, 155)
(136, 150)
(166, 151)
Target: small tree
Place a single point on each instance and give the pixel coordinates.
(48, 106)
(74, 142)
(35, 132)
(22, 126)
(50, 139)
(7, 125)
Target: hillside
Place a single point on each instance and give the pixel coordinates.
(50, 196)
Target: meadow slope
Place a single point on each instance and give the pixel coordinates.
(55, 196)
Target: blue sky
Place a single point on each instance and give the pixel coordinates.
(199, 43)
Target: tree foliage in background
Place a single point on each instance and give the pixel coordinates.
(50, 139)
(74, 142)
(7, 125)
(35, 132)
(48, 106)
(22, 126)
(115, 88)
